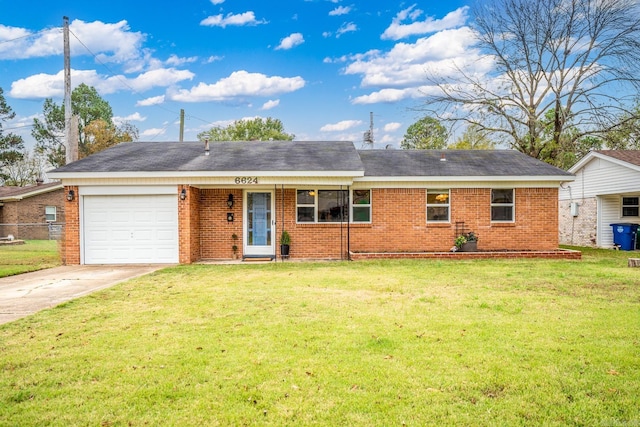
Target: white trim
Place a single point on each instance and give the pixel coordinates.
(127, 190)
(586, 159)
(512, 205)
(441, 205)
(549, 179)
(265, 250)
(37, 191)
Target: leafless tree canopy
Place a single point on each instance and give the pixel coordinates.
(564, 69)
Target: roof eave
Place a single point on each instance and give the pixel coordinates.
(527, 178)
(203, 174)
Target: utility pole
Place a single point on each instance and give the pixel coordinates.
(181, 139)
(71, 146)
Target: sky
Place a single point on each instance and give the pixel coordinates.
(320, 66)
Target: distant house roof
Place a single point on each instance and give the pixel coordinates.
(18, 193)
(302, 158)
(454, 163)
(258, 156)
(628, 158)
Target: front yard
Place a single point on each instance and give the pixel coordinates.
(31, 256)
(485, 342)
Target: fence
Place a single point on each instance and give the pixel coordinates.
(35, 231)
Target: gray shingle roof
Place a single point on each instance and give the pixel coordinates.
(308, 156)
(263, 156)
(458, 163)
(9, 192)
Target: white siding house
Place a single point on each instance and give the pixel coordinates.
(606, 191)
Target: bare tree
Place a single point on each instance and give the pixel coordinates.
(25, 171)
(578, 59)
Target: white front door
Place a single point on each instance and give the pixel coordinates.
(259, 223)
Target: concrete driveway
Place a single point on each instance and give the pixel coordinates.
(27, 293)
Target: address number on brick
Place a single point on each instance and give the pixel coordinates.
(246, 180)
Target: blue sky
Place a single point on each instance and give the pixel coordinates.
(320, 66)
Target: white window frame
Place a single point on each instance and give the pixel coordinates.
(360, 205)
(46, 213)
(315, 191)
(438, 205)
(623, 205)
(512, 205)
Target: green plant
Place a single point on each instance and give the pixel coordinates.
(460, 240)
(285, 239)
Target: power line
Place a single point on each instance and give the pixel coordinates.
(31, 35)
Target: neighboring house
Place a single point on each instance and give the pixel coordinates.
(606, 191)
(33, 212)
(168, 202)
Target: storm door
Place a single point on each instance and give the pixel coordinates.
(259, 223)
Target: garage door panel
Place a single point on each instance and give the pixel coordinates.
(130, 229)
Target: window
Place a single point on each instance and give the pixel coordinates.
(332, 206)
(50, 213)
(306, 205)
(438, 205)
(502, 205)
(630, 206)
(361, 207)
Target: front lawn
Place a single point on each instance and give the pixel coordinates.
(33, 255)
(387, 343)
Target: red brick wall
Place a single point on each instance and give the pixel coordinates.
(188, 225)
(70, 246)
(398, 224)
(25, 219)
(216, 232)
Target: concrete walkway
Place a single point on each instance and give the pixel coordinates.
(27, 293)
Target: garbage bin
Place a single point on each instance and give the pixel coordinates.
(624, 235)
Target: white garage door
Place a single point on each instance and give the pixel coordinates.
(133, 229)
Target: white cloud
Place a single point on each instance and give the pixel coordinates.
(154, 100)
(213, 58)
(347, 27)
(246, 18)
(392, 127)
(110, 42)
(215, 2)
(402, 72)
(135, 117)
(175, 60)
(397, 30)
(272, 103)
(340, 10)
(43, 85)
(341, 126)
(239, 84)
(153, 132)
(290, 41)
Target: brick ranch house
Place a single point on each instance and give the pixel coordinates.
(32, 212)
(169, 202)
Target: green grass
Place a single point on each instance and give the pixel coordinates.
(33, 255)
(486, 342)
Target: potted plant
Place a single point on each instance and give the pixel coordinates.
(234, 248)
(285, 241)
(467, 242)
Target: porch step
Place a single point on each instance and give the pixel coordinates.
(258, 259)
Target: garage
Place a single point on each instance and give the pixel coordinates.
(130, 229)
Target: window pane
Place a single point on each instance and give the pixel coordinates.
(630, 201)
(305, 214)
(501, 213)
(502, 196)
(438, 213)
(333, 206)
(361, 214)
(50, 213)
(630, 211)
(361, 197)
(305, 197)
(435, 197)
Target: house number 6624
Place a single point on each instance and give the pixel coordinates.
(246, 180)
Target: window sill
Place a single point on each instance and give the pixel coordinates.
(503, 224)
(438, 225)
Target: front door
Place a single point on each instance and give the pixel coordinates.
(259, 223)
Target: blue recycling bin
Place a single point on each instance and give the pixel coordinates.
(624, 235)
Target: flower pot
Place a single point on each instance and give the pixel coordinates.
(284, 250)
(469, 247)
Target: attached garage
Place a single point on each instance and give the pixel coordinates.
(129, 228)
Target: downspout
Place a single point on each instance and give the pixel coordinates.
(282, 199)
(349, 226)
